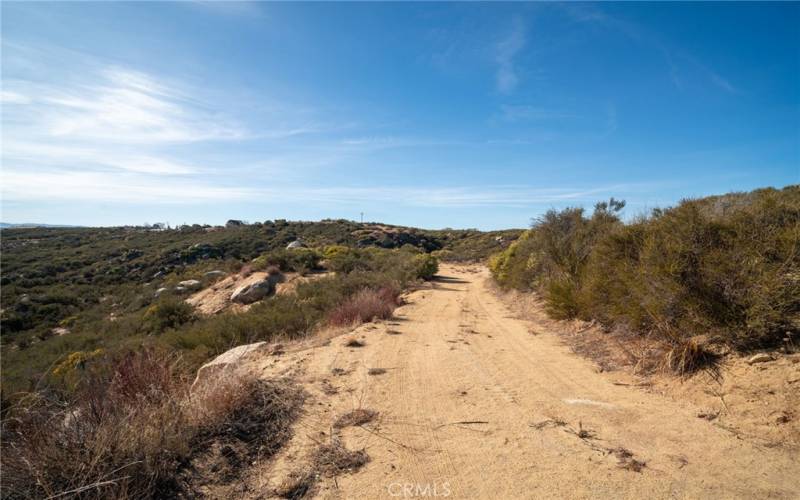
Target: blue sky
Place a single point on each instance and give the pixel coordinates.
(432, 115)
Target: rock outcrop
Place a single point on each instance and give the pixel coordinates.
(295, 244)
(227, 361)
(247, 294)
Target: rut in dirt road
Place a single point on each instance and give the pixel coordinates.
(474, 403)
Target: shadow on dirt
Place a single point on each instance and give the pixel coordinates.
(448, 279)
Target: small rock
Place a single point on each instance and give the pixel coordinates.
(190, 284)
(759, 358)
(708, 415)
(160, 291)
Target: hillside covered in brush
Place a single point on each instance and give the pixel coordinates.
(75, 290)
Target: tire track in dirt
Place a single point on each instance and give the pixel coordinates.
(550, 418)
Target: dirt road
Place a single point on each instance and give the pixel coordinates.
(477, 404)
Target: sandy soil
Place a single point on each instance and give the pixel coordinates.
(477, 403)
(758, 401)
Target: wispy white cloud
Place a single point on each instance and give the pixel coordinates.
(506, 75)
(109, 142)
(527, 112)
(111, 187)
(681, 64)
(237, 8)
(129, 107)
(535, 124)
(455, 196)
(78, 158)
(377, 143)
(10, 97)
(721, 82)
(685, 69)
(103, 136)
(136, 187)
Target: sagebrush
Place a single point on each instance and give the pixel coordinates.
(722, 269)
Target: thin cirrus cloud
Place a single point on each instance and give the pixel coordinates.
(132, 107)
(506, 75)
(48, 155)
(9, 97)
(527, 112)
(682, 65)
(459, 196)
(102, 142)
(131, 187)
(112, 187)
(102, 138)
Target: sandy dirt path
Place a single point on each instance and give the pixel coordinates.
(475, 403)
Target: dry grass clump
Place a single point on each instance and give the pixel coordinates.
(298, 485)
(327, 460)
(550, 422)
(359, 416)
(333, 459)
(723, 267)
(688, 356)
(132, 430)
(233, 431)
(354, 343)
(626, 460)
(365, 305)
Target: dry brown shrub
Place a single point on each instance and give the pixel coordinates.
(359, 416)
(132, 429)
(365, 305)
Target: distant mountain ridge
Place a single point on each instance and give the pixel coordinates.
(7, 225)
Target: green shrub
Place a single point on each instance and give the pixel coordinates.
(346, 260)
(514, 266)
(426, 266)
(293, 316)
(298, 260)
(334, 251)
(724, 267)
(167, 313)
